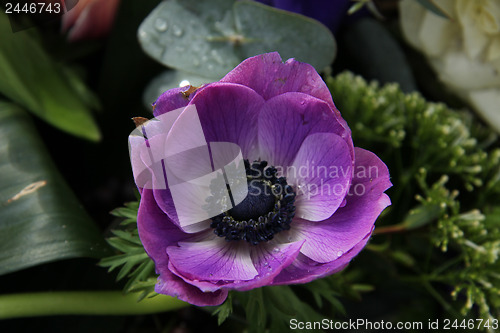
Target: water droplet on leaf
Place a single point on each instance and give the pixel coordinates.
(161, 24)
(144, 35)
(177, 31)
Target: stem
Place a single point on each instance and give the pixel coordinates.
(83, 303)
(389, 229)
(440, 299)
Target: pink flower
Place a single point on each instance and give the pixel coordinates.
(89, 19)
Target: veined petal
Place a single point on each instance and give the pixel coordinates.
(169, 284)
(321, 172)
(304, 269)
(270, 77)
(228, 113)
(213, 260)
(269, 260)
(157, 233)
(156, 230)
(286, 120)
(328, 240)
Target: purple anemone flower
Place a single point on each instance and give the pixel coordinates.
(310, 201)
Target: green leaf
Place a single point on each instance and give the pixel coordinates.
(403, 258)
(135, 263)
(256, 310)
(293, 36)
(210, 38)
(224, 310)
(188, 35)
(321, 289)
(283, 305)
(373, 52)
(41, 220)
(421, 215)
(46, 88)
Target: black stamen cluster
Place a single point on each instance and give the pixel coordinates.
(267, 209)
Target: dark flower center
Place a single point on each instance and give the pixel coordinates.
(259, 201)
(267, 209)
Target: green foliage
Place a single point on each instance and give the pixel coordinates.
(224, 310)
(475, 242)
(40, 218)
(209, 38)
(51, 91)
(135, 264)
(373, 52)
(272, 308)
(429, 149)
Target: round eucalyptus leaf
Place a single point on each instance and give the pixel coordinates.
(209, 38)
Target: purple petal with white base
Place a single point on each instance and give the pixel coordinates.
(228, 113)
(327, 162)
(157, 233)
(169, 284)
(212, 260)
(331, 240)
(286, 120)
(269, 260)
(304, 270)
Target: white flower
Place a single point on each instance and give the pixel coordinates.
(464, 50)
